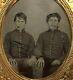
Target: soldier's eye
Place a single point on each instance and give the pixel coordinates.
(22, 21)
(55, 20)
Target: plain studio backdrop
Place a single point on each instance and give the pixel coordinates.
(36, 11)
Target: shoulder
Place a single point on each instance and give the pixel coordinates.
(29, 35)
(62, 34)
(43, 34)
(10, 33)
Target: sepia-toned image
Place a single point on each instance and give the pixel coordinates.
(36, 37)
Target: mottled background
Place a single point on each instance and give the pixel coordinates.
(36, 11)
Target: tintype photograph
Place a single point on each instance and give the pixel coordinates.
(36, 37)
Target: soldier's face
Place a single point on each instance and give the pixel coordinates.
(53, 23)
(20, 23)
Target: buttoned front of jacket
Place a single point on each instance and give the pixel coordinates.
(19, 44)
(53, 44)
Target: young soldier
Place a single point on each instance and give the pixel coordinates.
(19, 46)
(53, 45)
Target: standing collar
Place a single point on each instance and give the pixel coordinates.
(53, 30)
(23, 30)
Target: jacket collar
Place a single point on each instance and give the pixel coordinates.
(23, 30)
(49, 30)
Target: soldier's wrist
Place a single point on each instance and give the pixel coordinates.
(40, 57)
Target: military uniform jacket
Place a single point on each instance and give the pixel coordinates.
(53, 44)
(19, 44)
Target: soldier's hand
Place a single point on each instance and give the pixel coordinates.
(40, 63)
(32, 61)
(56, 62)
(13, 62)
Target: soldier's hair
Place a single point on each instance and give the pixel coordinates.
(53, 15)
(20, 15)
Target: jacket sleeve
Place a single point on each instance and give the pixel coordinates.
(7, 45)
(39, 47)
(31, 46)
(66, 46)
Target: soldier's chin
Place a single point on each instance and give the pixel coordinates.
(20, 29)
(53, 29)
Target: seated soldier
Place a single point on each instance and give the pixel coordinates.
(19, 46)
(53, 45)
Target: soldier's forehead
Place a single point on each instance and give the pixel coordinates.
(19, 18)
(53, 17)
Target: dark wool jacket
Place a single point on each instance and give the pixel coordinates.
(53, 44)
(19, 44)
